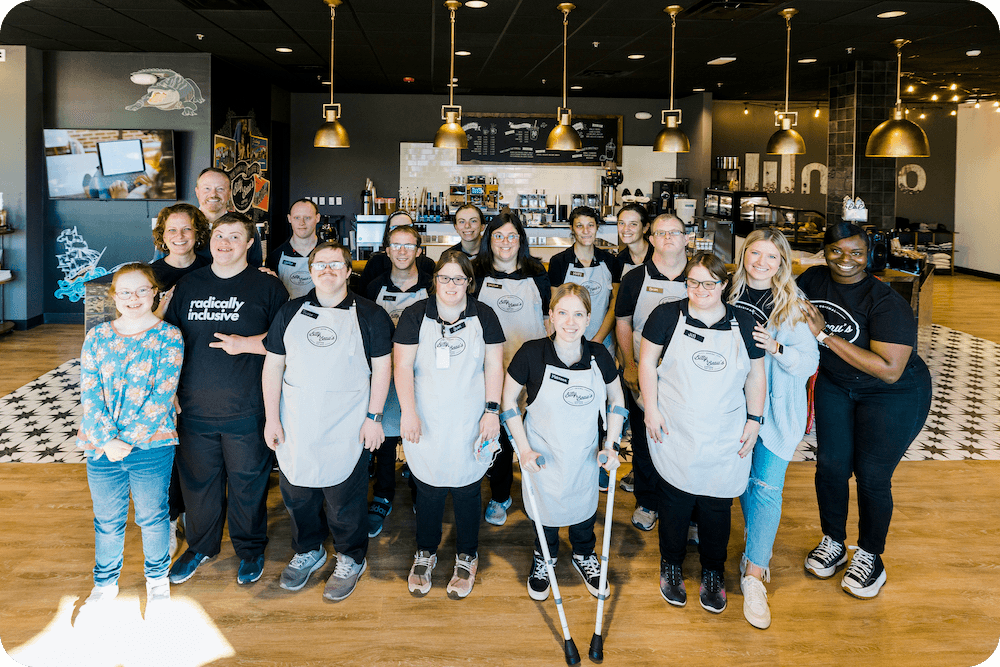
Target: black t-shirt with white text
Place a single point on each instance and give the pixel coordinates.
(757, 302)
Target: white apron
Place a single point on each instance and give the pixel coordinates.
(324, 396)
(450, 402)
(394, 303)
(700, 395)
(294, 275)
(597, 279)
(654, 292)
(561, 424)
(519, 308)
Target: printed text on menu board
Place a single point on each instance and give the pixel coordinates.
(520, 139)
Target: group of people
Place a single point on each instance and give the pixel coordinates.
(472, 357)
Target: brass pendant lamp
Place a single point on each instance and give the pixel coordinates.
(671, 139)
(451, 134)
(787, 141)
(331, 134)
(563, 137)
(898, 137)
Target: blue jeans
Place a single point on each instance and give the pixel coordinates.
(761, 504)
(146, 473)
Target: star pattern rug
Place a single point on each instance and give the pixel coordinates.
(38, 422)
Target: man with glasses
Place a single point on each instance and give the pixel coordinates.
(659, 280)
(290, 260)
(396, 289)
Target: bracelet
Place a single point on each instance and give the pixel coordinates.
(822, 336)
(375, 417)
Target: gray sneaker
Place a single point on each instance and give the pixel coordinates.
(628, 482)
(644, 519)
(496, 513)
(297, 573)
(344, 578)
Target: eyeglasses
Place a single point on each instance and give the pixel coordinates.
(336, 266)
(710, 285)
(513, 236)
(125, 294)
(674, 233)
(458, 280)
(408, 247)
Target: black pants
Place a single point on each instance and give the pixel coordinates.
(175, 499)
(224, 468)
(385, 469)
(865, 432)
(581, 538)
(642, 464)
(502, 470)
(467, 502)
(340, 511)
(676, 508)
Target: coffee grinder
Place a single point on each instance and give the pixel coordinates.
(610, 181)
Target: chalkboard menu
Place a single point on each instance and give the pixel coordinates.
(501, 138)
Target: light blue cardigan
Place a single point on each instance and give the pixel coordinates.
(786, 411)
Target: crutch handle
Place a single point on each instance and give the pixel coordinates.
(602, 458)
(540, 461)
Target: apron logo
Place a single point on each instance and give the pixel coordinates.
(510, 303)
(592, 286)
(322, 336)
(456, 346)
(300, 278)
(577, 396)
(709, 361)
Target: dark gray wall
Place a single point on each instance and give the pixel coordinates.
(91, 90)
(935, 204)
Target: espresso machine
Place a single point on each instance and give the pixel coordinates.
(610, 181)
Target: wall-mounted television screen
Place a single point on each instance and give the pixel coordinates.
(110, 164)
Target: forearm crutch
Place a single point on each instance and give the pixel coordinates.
(569, 648)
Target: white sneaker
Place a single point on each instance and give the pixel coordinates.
(93, 610)
(755, 608)
(419, 580)
(100, 594)
(157, 596)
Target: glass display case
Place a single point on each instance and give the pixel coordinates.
(735, 206)
(802, 227)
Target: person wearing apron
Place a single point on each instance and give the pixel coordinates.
(325, 379)
(704, 382)
(763, 285)
(514, 284)
(633, 233)
(594, 268)
(572, 383)
(448, 352)
(395, 291)
(290, 260)
(469, 224)
(379, 262)
(658, 280)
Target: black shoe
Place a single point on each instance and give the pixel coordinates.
(713, 591)
(824, 560)
(589, 568)
(672, 584)
(538, 579)
(250, 570)
(865, 575)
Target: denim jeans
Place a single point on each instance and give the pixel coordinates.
(865, 432)
(761, 504)
(146, 473)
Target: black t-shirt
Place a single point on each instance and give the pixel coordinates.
(541, 282)
(385, 280)
(169, 275)
(859, 313)
(528, 365)
(560, 263)
(757, 302)
(458, 247)
(215, 385)
(625, 257)
(631, 288)
(662, 321)
(379, 263)
(408, 329)
(376, 327)
(274, 258)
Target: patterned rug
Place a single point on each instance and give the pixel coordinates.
(38, 422)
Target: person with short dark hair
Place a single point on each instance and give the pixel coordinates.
(290, 259)
(469, 223)
(379, 262)
(215, 198)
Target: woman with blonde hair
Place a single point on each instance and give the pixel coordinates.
(763, 285)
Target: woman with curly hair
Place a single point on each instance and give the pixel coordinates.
(180, 231)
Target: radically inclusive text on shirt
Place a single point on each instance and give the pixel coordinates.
(212, 309)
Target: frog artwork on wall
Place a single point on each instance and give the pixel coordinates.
(166, 90)
(79, 263)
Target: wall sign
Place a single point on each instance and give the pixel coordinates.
(241, 152)
(166, 90)
(496, 138)
(903, 180)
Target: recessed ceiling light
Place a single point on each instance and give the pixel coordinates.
(476, 4)
(697, 90)
(643, 115)
(283, 49)
(895, 14)
(576, 87)
(973, 52)
(806, 61)
(954, 98)
(463, 53)
(636, 56)
(934, 98)
(954, 113)
(722, 60)
(953, 86)
(910, 88)
(996, 104)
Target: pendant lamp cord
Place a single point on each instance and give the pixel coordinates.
(899, 74)
(333, 16)
(451, 79)
(673, 31)
(565, 33)
(788, 58)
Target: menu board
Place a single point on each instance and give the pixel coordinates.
(502, 138)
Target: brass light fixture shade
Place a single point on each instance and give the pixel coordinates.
(786, 141)
(671, 138)
(898, 137)
(563, 136)
(451, 134)
(331, 134)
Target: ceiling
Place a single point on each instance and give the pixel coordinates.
(516, 45)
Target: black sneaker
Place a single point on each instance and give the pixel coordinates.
(672, 584)
(185, 566)
(865, 575)
(824, 560)
(713, 591)
(590, 571)
(378, 510)
(538, 579)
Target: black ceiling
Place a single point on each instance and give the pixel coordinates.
(516, 45)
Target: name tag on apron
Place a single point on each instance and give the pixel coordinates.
(658, 290)
(578, 274)
(442, 354)
(558, 378)
(309, 313)
(494, 285)
(456, 327)
(388, 297)
(691, 334)
(288, 262)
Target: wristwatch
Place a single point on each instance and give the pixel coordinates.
(822, 336)
(755, 418)
(493, 407)
(375, 417)
(781, 348)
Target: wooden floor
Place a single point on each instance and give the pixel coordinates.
(941, 605)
